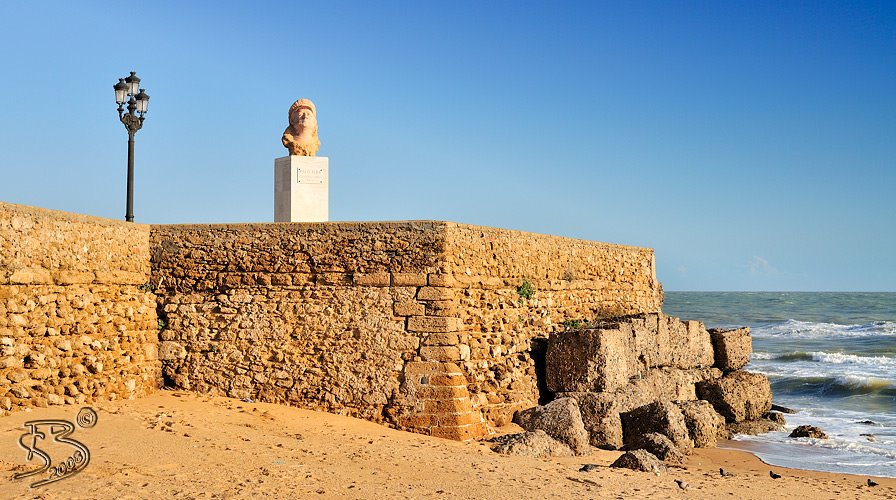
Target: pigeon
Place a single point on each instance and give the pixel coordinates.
(681, 484)
(724, 473)
(871, 483)
(588, 468)
(773, 475)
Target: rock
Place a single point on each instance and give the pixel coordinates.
(783, 409)
(754, 427)
(732, 348)
(659, 446)
(640, 460)
(534, 444)
(705, 425)
(738, 396)
(169, 351)
(561, 420)
(808, 431)
(661, 417)
(592, 360)
(776, 417)
(600, 415)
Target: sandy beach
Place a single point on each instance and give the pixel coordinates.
(183, 445)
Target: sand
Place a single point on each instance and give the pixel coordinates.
(183, 445)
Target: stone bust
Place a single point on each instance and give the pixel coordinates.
(300, 137)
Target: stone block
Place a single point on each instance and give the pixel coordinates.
(440, 353)
(460, 432)
(705, 425)
(408, 279)
(660, 446)
(408, 308)
(639, 460)
(171, 351)
(371, 279)
(561, 420)
(600, 415)
(535, 444)
(732, 348)
(592, 360)
(443, 280)
(662, 417)
(691, 346)
(435, 293)
(441, 339)
(738, 396)
(434, 324)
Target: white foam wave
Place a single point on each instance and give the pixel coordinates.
(852, 359)
(807, 330)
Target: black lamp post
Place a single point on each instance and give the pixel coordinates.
(128, 90)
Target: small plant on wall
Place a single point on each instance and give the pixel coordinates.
(526, 291)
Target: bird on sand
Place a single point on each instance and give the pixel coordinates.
(773, 475)
(681, 484)
(724, 473)
(871, 483)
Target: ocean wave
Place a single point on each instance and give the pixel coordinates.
(833, 386)
(807, 329)
(837, 358)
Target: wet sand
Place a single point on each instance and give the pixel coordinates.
(183, 445)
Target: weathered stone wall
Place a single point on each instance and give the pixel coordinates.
(393, 322)
(77, 322)
(570, 282)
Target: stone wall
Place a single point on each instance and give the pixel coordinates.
(570, 282)
(428, 326)
(77, 322)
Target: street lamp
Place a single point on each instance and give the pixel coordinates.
(128, 90)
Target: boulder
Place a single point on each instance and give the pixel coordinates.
(705, 425)
(738, 396)
(561, 420)
(754, 427)
(640, 460)
(808, 431)
(661, 417)
(659, 446)
(732, 348)
(534, 444)
(776, 417)
(600, 415)
(591, 360)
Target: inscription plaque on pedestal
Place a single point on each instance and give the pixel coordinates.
(301, 189)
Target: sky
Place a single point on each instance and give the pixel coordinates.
(752, 145)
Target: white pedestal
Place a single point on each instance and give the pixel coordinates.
(301, 189)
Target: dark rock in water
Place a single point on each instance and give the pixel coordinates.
(870, 437)
(808, 431)
(535, 444)
(660, 446)
(640, 460)
(738, 396)
(866, 422)
(661, 417)
(776, 417)
(561, 420)
(754, 427)
(783, 409)
(705, 425)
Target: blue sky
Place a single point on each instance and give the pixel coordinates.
(751, 144)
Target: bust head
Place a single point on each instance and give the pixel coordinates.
(300, 137)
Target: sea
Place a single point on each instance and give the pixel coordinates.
(830, 356)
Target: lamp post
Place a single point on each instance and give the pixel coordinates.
(128, 90)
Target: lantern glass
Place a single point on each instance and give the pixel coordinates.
(121, 90)
(142, 101)
(133, 82)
